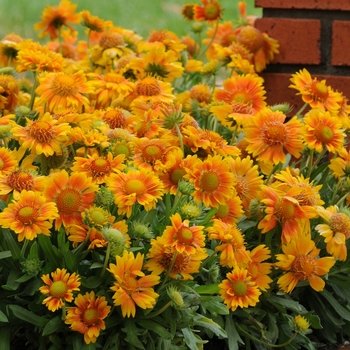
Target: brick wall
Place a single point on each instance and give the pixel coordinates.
(313, 34)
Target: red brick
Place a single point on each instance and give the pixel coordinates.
(305, 4)
(278, 91)
(340, 43)
(299, 39)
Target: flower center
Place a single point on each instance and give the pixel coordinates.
(274, 134)
(223, 211)
(100, 167)
(324, 133)
(64, 85)
(239, 288)
(253, 269)
(68, 201)
(151, 153)
(27, 215)
(58, 289)
(98, 216)
(212, 11)
(320, 90)
(115, 118)
(242, 108)
(182, 261)
(90, 316)
(209, 181)
(251, 38)
(241, 186)
(286, 209)
(135, 186)
(303, 267)
(148, 87)
(176, 175)
(185, 235)
(111, 39)
(340, 222)
(201, 93)
(20, 180)
(130, 284)
(121, 148)
(241, 97)
(41, 131)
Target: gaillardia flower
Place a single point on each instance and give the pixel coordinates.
(87, 316)
(300, 260)
(60, 288)
(132, 286)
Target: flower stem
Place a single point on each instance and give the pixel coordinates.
(24, 247)
(108, 252)
(158, 312)
(301, 110)
(32, 97)
(211, 41)
(180, 138)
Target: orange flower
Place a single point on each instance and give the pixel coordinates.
(270, 138)
(9, 93)
(213, 181)
(8, 160)
(284, 208)
(60, 90)
(209, 11)
(231, 243)
(132, 286)
(301, 262)
(247, 180)
(54, 17)
(257, 269)
(336, 231)
(182, 237)
(238, 290)
(72, 194)
(340, 166)
(180, 266)
(60, 288)
(99, 168)
(94, 23)
(316, 93)
(109, 87)
(323, 130)
(87, 317)
(136, 186)
(42, 136)
(246, 90)
(230, 211)
(29, 215)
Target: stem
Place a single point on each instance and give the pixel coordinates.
(156, 313)
(335, 191)
(271, 173)
(342, 198)
(211, 41)
(317, 160)
(82, 246)
(108, 252)
(24, 247)
(180, 138)
(32, 97)
(301, 110)
(63, 312)
(262, 342)
(309, 166)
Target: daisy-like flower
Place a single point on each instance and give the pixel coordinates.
(182, 237)
(132, 286)
(72, 195)
(135, 186)
(340, 165)
(336, 231)
(94, 23)
(9, 49)
(109, 87)
(60, 288)
(300, 260)
(88, 315)
(9, 92)
(8, 160)
(212, 180)
(230, 211)
(316, 93)
(157, 62)
(115, 118)
(180, 266)
(323, 131)
(246, 90)
(42, 136)
(97, 167)
(284, 208)
(257, 269)
(270, 138)
(54, 17)
(238, 290)
(61, 90)
(231, 243)
(29, 215)
(209, 11)
(247, 180)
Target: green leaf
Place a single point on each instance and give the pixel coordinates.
(50, 251)
(205, 322)
(232, 334)
(11, 283)
(33, 253)
(28, 316)
(3, 318)
(12, 245)
(5, 254)
(131, 332)
(289, 304)
(91, 282)
(53, 326)
(5, 338)
(191, 340)
(314, 320)
(214, 304)
(208, 289)
(155, 327)
(24, 278)
(339, 309)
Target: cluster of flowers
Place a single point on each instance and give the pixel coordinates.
(161, 162)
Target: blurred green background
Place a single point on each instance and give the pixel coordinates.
(141, 16)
